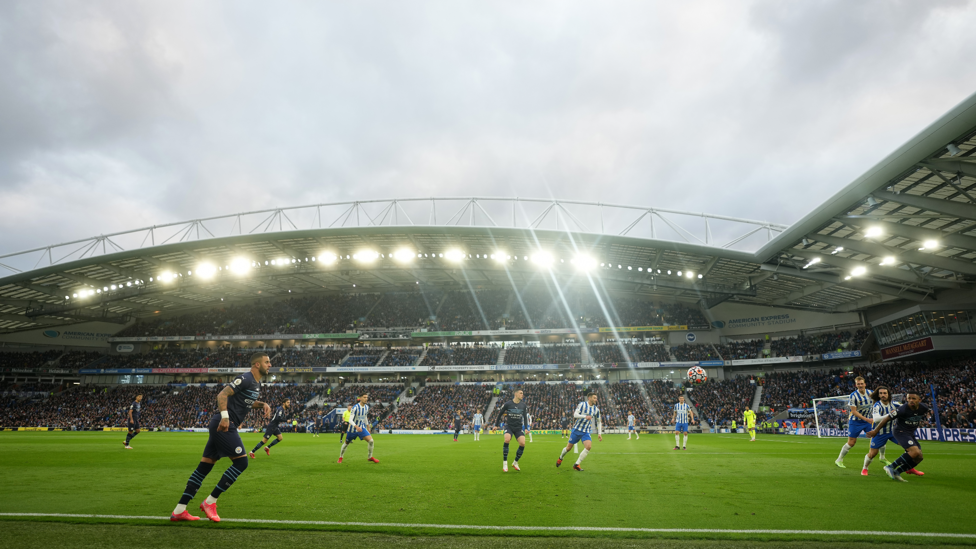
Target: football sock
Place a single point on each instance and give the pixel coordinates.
(530, 437)
(867, 460)
(677, 440)
(230, 475)
(582, 456)
(903, 463)
(369, 449)
(258, 447)
(563, 453)
(273, 442)
(518, 453)
(505, 451)
(843, 451)
(342, 452)
(881, 453)
(192, 485)
(686, 441)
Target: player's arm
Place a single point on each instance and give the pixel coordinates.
(130, 414)
(857, 414)
(878, 426)
(599, 428)
(222, 397)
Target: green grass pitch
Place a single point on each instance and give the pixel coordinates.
(721, 482)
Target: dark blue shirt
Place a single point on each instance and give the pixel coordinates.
(907, 420)
(136, 408)
(279, 415)
(514, 415)
(246, 392)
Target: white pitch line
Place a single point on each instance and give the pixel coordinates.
(530, 528)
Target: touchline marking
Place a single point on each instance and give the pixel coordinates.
(529, 528)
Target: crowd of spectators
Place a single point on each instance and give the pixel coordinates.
(860, 336)
(720, 402)
(531, 308)
(632, 398)
(32, 359)
(402, 357)
(613, 353)
(461, 355)
(742, 349)
(348, 393)
(435, 407)
(695, 352)
(815, 344)
(543, 354)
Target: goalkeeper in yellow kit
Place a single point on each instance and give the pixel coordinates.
(750, 419)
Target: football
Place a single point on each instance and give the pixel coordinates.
(697, 375)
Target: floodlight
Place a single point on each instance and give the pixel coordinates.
(873, 232)
(543, 258)
(813, 261)
(890, 260)
(690, 274)
(930, 244)
(858, 271)
(366, 256)
(500, 256)
(404, 255)
(206, 270)
(328, 258)
(455, 255)
(584, 262)
(953, 149)
(240, 265)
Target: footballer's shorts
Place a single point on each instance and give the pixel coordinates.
(879, 440)
(516, 433)
(906, 440)
(630, 427)
(477, 428)
(578, 436)
(353, 433)
(750, 426)
(133, 425)
(223, 444)
(855, 427)
(271, 430)
(681, 427)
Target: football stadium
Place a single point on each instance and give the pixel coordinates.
(351, 372)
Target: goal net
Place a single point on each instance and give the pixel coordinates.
(831, 415)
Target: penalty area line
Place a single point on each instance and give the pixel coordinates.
(525, 528)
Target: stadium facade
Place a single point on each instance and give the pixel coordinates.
(892, 252)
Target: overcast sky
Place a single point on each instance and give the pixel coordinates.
(118, 115)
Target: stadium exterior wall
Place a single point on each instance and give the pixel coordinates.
(734, 319)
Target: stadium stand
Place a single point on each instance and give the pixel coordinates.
(720, 402)
(736, 350)
(435, 406)
(810, 344)
(695, 351)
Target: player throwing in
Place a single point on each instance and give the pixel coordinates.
(586, 413)
(272, 429)
(134, 410)
(632, 426)
(858, 421)
(515, 422)
(681, 416)
(478, 421)
(882, 407)
(233, 402)
(358, 428)
(749, 418)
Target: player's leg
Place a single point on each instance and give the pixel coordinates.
(350, 436)
(530, 435)
(369, 447)
(869, 457)
(587, 444)
(237, 466)
(853, 430)
(277, 439)
(573, 439)
(684, 445)
(506, 440)
(518, 453)
(192, 485)
(677, 438)
(264, 441)
(637, 433)
(128, 437)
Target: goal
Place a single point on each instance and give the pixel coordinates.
(831, 413)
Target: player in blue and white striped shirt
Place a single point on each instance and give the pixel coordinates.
(586, 413)
(632, 426)
(478, 420)
(682, 413)
(358, 428)
(882, 407)
(859, 421)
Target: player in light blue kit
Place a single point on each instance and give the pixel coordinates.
(478, 420)
(632, 427)
(859, 420)
(882, 407)
(681, 416)
(358, 423)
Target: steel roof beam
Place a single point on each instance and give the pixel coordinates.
(961, 210)
(862, 285)
(921, 234)
(891, 274)
(951, 166)
(910, 256)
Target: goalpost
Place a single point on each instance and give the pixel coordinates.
(833, 412)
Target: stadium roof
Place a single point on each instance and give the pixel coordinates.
(903, 231)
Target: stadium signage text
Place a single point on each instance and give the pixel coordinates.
(645, 329)
(773, 360)
(842, 354)
(910, 348)
(211, 337)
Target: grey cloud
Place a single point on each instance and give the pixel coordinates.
(136, 113)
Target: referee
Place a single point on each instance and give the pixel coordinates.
(346, 416)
